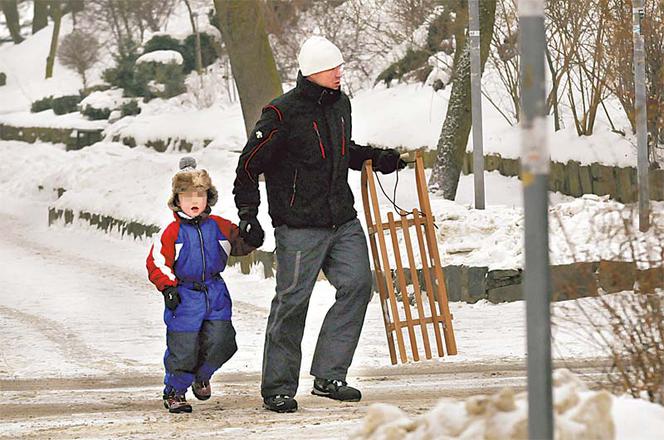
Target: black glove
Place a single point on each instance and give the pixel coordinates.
(171, 297)
(387, 161)
(250, 230)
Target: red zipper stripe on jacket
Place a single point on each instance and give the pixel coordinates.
(320, 141)
(254, 151)
(343, 136)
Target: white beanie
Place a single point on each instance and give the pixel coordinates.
(318, 54)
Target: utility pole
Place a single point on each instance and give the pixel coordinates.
(641, 116)
(535, 179)
(476, 100)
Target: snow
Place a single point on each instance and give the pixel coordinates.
(25, 65)
(110, 99)
(76, 303)
(579, 413)
(161, 57)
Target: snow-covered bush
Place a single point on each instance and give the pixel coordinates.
(65, 104)
(130, 108)
(186, 48)
(100, 104)
(124, 74)
(42, 104)
(162, 72)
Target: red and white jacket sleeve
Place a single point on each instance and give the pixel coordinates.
(161, 259)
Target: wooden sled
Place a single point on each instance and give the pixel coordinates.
(430, 311)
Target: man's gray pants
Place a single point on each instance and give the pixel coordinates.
(301, 253)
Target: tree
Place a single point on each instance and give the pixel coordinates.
(39, 16)
(56, 13)
(79, 51)
(254, 69)
(456, 128)
(194, 28)
(10, 9)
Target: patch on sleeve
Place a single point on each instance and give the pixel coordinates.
(226, 246)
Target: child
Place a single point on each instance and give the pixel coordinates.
(185, 264)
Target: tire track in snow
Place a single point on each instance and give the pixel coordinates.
(66, 342)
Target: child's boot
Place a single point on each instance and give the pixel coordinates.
(202, 389)
(176, 403)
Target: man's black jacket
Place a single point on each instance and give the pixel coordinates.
(302, 144)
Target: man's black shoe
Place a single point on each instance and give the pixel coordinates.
(336, 389)
(280, 403)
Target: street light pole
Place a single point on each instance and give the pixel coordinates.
(535, 179)
(476, 99)
(641, 116)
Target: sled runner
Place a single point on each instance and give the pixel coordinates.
(424, 303)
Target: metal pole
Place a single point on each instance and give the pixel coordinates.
(476, 98)
(535, 178)
(641, 116)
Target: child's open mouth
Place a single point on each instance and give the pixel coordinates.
(194, 208)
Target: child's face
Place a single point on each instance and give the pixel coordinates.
(193, 203)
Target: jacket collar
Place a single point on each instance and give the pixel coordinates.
(322, 95)
(184, 218)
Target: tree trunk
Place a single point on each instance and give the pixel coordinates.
(194, 28)
(56, 13)
(243, 29)
(10, 9)
(458, 120)
(39, 16)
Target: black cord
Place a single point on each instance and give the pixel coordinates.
(392, 200)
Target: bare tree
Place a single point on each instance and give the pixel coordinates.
(620, 78)
(10, 9)
(456, 128)
(125, 20)
(79, 51)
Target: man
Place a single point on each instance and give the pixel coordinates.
(302, 144)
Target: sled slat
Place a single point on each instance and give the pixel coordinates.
(388, 272)
(416, 286)
(402, 285)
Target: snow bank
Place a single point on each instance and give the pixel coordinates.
(579, 413)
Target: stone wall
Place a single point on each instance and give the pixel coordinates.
(569, 281)
(574, 179)
(571, 178)
(73, 138)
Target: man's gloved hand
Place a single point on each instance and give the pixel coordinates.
(250, 229)
(387, 161)
(171, 297)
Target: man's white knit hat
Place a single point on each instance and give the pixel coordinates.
(317, 54)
